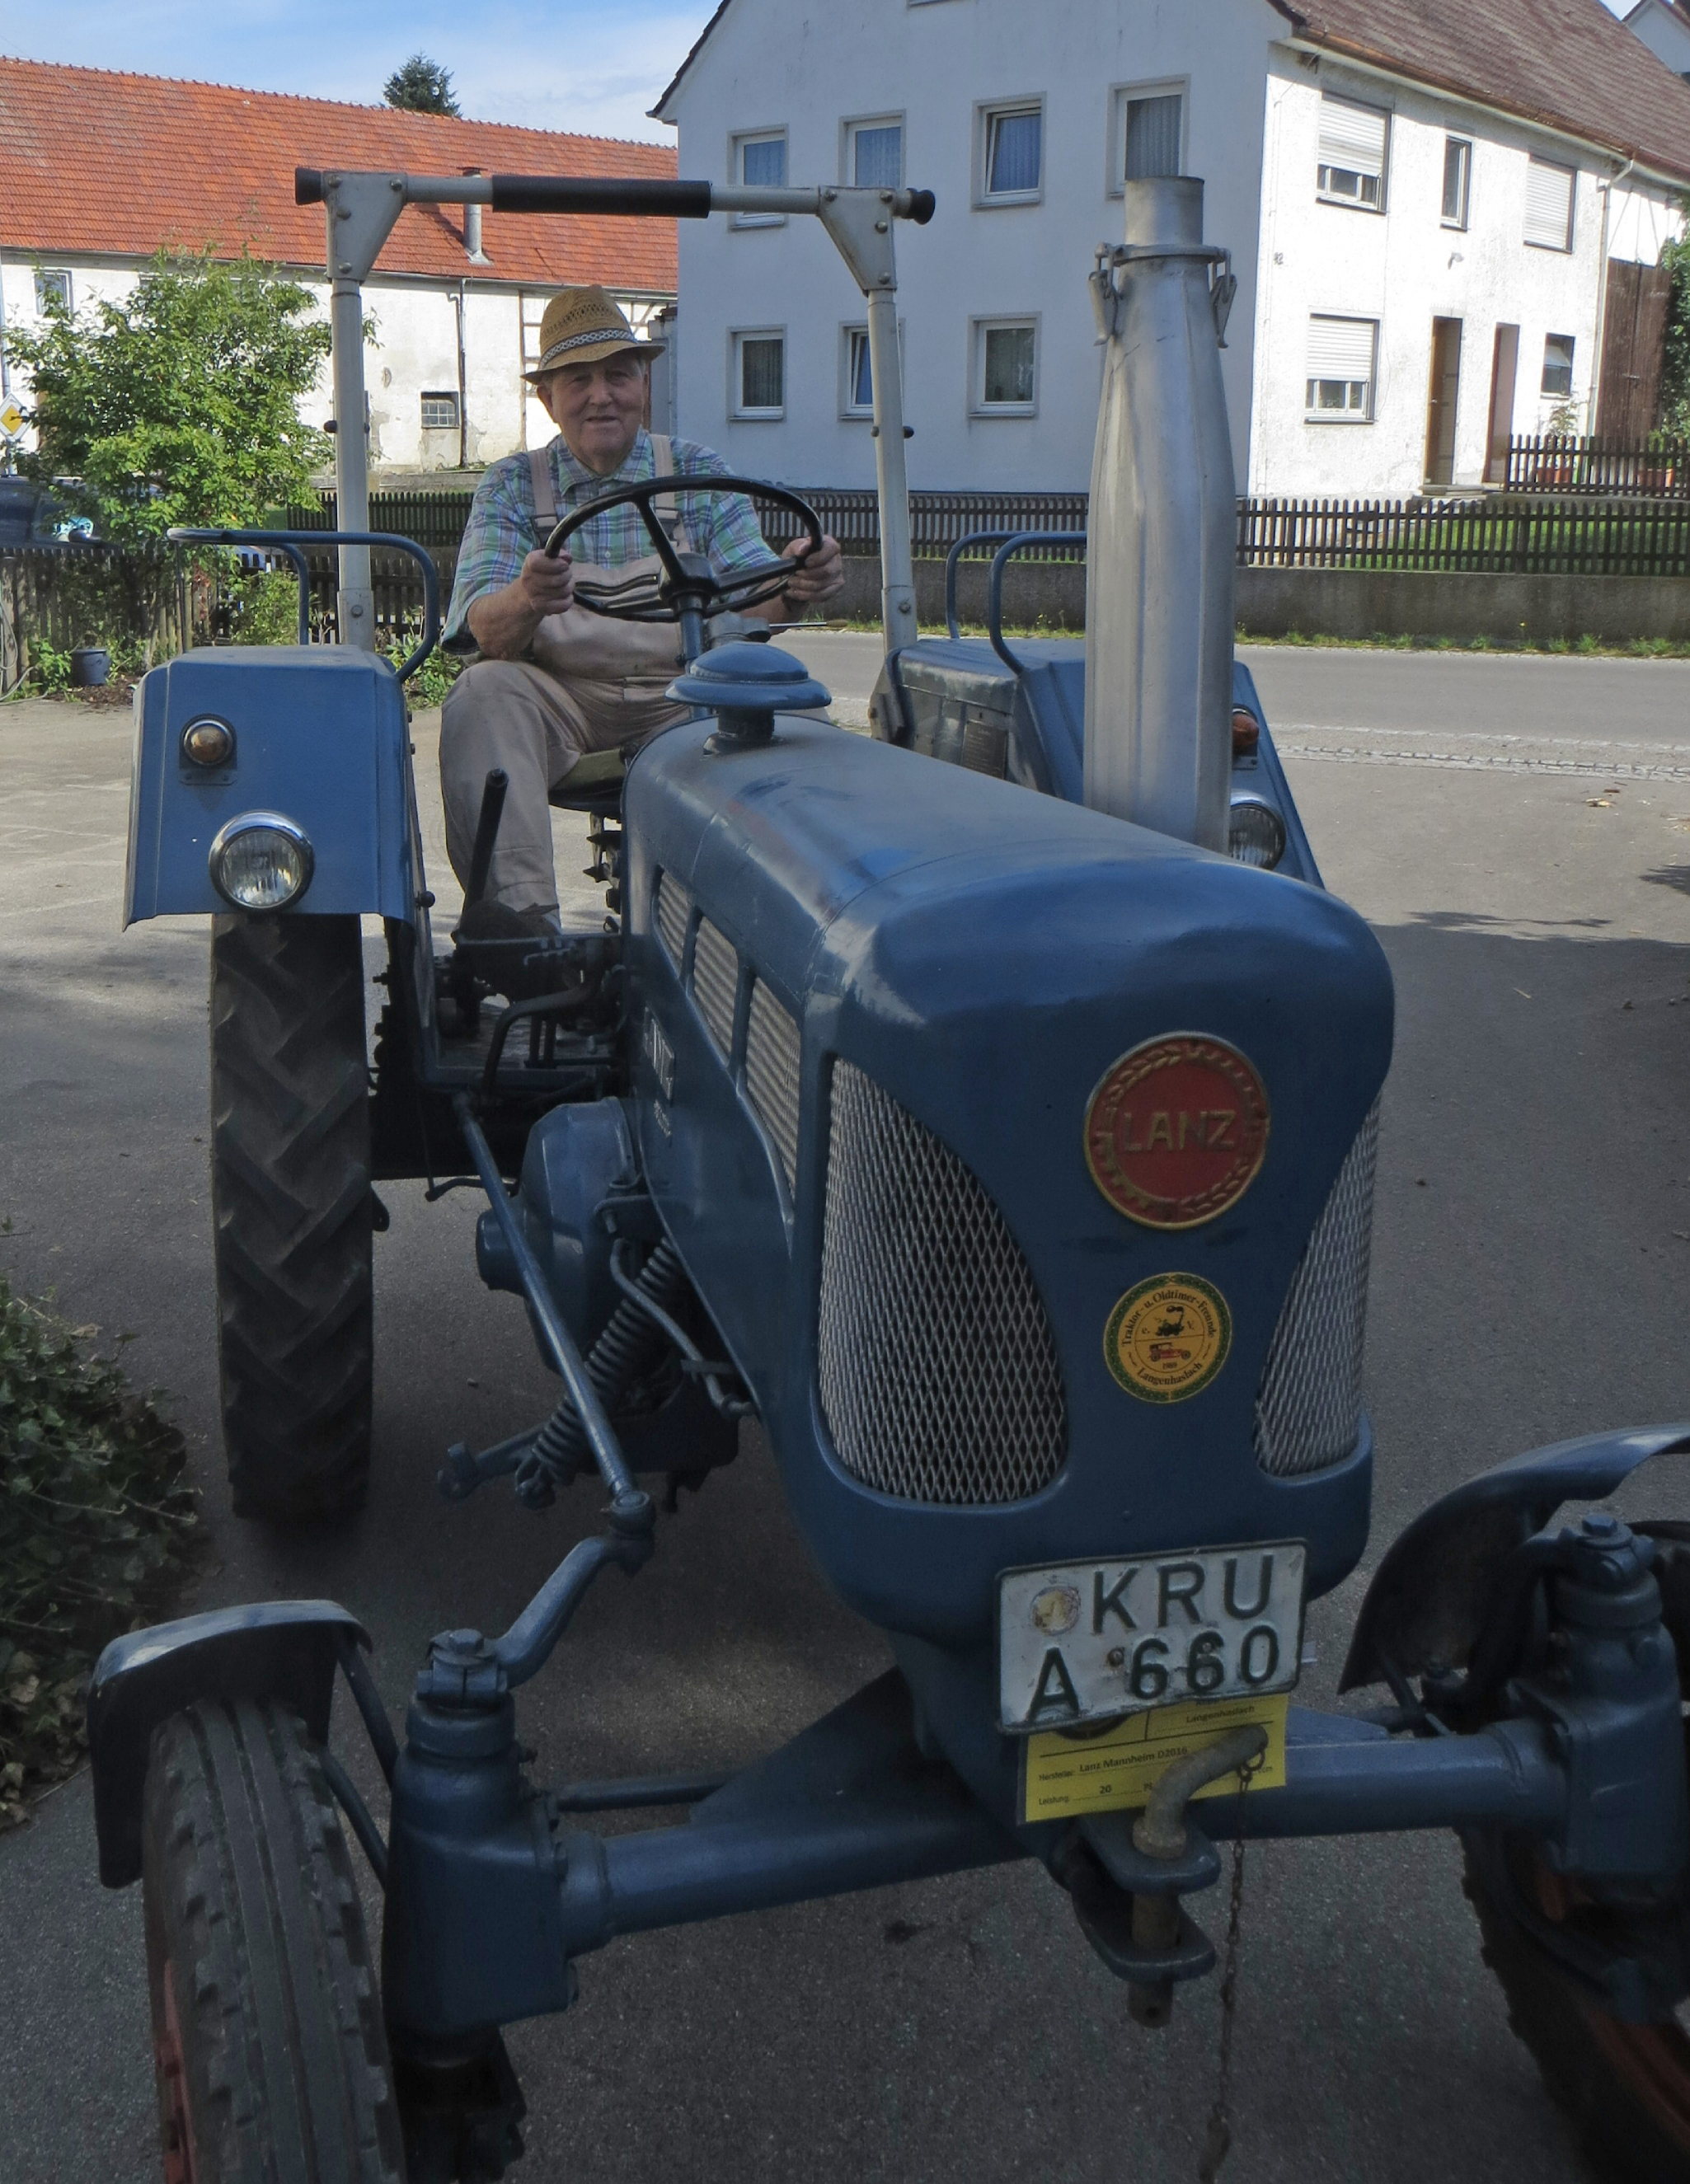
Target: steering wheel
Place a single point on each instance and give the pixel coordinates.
(688, 584)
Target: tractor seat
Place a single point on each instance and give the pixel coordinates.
(593, 782)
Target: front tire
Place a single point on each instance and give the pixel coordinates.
(1624, 2087)
(271, 2058)
(290, 1212)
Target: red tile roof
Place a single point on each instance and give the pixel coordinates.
(1569, 63)
(108, 165)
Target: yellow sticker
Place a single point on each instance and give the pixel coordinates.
(1111, 1770)
(1167, 1337)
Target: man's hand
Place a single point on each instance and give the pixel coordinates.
(548, 581)
(820, 579)
(503, 622)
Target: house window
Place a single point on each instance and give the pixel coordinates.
(440, 412)
(1458, 169)
(874, 154)
(1548, 206)
(1012, 153)
(856, 375)
(759, 383)
(1149, 134)
(53, 285)
(1006, 367)
(1353, 141)
(1341, 370)
(1558, 365)
(759, 162)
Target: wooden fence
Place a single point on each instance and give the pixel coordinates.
(1497, 534)
(1546, 462)
(63, 595)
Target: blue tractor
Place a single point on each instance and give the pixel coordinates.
(988, 1107)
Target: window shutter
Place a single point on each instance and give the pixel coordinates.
(1341, 348)
(1549, 205)
(1352, 136)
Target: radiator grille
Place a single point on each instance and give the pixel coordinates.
(674, 907)
(772, 1053)
(937, 1366)
(1309, 1405)
(715, 981)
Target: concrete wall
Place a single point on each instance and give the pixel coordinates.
(1364, 603)
(1664, 31)
(1402, 267)
(810, 68)
(414, 351)
(1352, 602)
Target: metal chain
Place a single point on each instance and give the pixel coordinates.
(1217, 2139)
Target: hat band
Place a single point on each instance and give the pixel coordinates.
(627, 337)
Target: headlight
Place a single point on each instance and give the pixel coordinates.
(261, 861)
(208, 741)
(1256, 833)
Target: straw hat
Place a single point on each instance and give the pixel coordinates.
(580, 327)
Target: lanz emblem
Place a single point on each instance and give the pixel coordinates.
(1177, 1131)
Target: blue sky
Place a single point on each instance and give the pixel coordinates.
(571, 65)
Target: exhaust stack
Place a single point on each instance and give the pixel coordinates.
(1162, 529)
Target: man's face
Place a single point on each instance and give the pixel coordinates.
(599, 408)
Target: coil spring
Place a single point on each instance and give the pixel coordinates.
(630, 1343)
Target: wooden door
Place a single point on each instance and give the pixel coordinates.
(1504, 373)
(1633, 342)
(1445, 383)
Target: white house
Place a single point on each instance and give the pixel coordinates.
(1422, 203)
(98, 171)
(1664, 29)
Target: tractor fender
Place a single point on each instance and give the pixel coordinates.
(281, 1649)
(1429, 1597)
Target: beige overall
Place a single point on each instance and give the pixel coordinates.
(590, 684)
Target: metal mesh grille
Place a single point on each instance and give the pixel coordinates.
(772, 1052)
(715, 981)
(1308, 1405)
(937, 1365)
(674, 907)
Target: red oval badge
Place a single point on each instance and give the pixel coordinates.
(1177, 1130)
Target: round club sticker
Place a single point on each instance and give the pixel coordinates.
(1176, 1131)
(1167, 1337)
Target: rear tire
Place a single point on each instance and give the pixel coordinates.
(290, 1212)
(1626, 2087)
(271, 2058)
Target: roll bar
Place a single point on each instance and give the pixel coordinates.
(361, 209)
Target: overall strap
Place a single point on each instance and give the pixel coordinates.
(545, 496)
(667, 507)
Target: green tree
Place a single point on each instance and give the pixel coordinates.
(421, 86)
(1675, 377)
(179, 403)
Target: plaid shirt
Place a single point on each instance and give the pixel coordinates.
(503, 525)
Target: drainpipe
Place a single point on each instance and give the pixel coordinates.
(1606, 188)
(458, 303)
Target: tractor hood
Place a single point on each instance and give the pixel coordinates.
(1023, 1156)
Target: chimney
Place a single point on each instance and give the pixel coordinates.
(477, 256)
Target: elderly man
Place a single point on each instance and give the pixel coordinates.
(553, 681)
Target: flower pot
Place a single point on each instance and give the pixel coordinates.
(90, 666)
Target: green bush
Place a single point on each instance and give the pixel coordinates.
(97, 1526)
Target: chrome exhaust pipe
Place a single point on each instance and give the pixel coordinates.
(1162, 528)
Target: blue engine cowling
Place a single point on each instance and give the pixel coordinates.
(876, 995)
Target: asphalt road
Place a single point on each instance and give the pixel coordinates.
(1531, 1280)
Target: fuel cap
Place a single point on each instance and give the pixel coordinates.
(746, 685)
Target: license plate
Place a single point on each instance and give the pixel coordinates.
(1090, 1641)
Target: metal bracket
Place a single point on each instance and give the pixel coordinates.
(361, 210)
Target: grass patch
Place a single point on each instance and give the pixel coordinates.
(97, 1527)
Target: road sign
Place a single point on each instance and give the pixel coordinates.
(11, 417)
